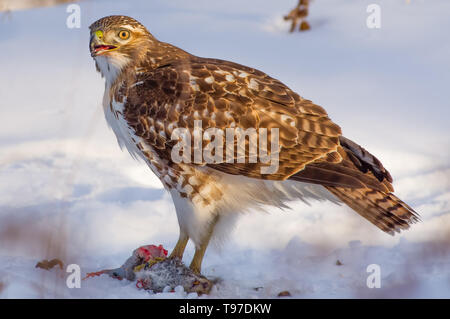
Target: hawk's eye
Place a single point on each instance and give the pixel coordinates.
(123, 34)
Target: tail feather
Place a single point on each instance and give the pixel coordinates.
(359, 179)
(384, 210)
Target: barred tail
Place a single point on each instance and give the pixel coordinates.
(384, 210)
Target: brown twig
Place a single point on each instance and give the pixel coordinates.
(299, 14)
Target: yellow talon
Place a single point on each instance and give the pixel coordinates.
(154, 261)
(149, 263)
(138, 267)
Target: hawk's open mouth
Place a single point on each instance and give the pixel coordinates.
(103, 47)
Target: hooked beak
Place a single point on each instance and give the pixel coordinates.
(98, 47)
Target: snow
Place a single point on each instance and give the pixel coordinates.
(67, 191)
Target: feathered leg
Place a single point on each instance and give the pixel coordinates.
(196, 263)
(178, 251)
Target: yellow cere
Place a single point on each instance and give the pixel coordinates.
(99, 34)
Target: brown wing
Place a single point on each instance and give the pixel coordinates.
(356, 168)
(226, 95)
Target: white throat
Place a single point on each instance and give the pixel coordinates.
(111, 66)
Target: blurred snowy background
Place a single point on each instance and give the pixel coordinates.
(67, 191)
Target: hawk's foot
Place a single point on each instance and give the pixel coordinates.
(171, 272)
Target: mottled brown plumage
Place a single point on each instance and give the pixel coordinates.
(306, 132)
(154, 88)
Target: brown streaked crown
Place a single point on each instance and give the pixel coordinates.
(114, 21)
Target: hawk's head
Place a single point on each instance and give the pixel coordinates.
(115, 42)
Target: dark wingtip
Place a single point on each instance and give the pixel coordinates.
(364, 160)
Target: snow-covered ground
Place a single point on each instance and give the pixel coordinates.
(67, 191)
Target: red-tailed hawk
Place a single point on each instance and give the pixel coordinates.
(154, 89)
